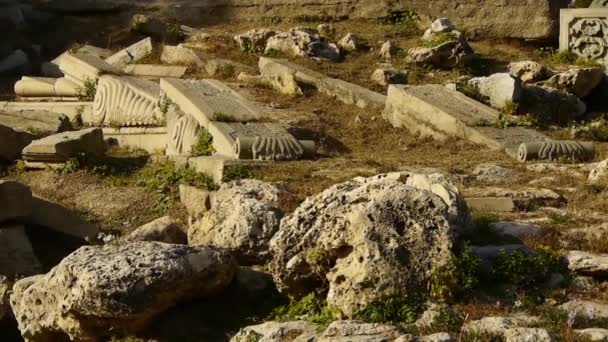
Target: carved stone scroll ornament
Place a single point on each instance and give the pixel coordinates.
(555, 150)
(183, 131)
(270, 147)
(118, 103)
(589, 37)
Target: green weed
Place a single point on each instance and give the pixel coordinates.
(204, 145)
(399, 309)
(312, 307)
(86, 92)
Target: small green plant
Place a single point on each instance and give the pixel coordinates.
(76, 121)
(467, 264)
(237, 172)
(86, 92)
(471, 91)
(163, 104)
(20, 166)
(510, 108)
(447, 320)
(226, 71)
(439, 39)
(527, 270)
(443, 282)
(556, 57)
(204, 145)
(405, 22)
(223, 117)
(71, 165)
(397, 308)
(312, 307)
(174, 32)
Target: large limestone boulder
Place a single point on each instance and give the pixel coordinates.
(445, 55)
(529, 71)
(527, 334)
(243, 218)
(343, 331)
(579, 82)
(355, 236)
(586, 309)
(277, 332)
(5, 287)
(254, 40)
(599, 171)
(164, 229)
(102, 291)
(550, 104)
(179, 55)
(16, 200)
(501, 89)
(62, 146)
(593, 334)
(303, 42)
(17, 258)
(587, 263)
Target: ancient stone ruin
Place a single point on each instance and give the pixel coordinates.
(321, 171)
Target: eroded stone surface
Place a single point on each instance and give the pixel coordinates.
(35, 121)
(164, 229)
(99, 292)
(529, 71)
(131, 54)
(587, 263)
(353, 233)
(243, 218)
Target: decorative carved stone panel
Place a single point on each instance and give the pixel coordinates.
(126, 101)
(585, 32)
(599, 3)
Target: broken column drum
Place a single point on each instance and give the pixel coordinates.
(555, 150)
(126, 101)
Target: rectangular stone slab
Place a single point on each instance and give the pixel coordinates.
(234, 139)
(150, 139)
(35, 121)
(436, 111)
(71, 109)
(155, 70)
(207, 100)
(62, 146)
(80, 67)
(131, 54)
(286, 75)
(584, 31)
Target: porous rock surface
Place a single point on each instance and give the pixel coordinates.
(112, 290)
(243, 218)
(365, 238)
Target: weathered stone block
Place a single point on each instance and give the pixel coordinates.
(155, 71)
(131, 54)
(434, 110)
(62, 146)
(150, 139)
